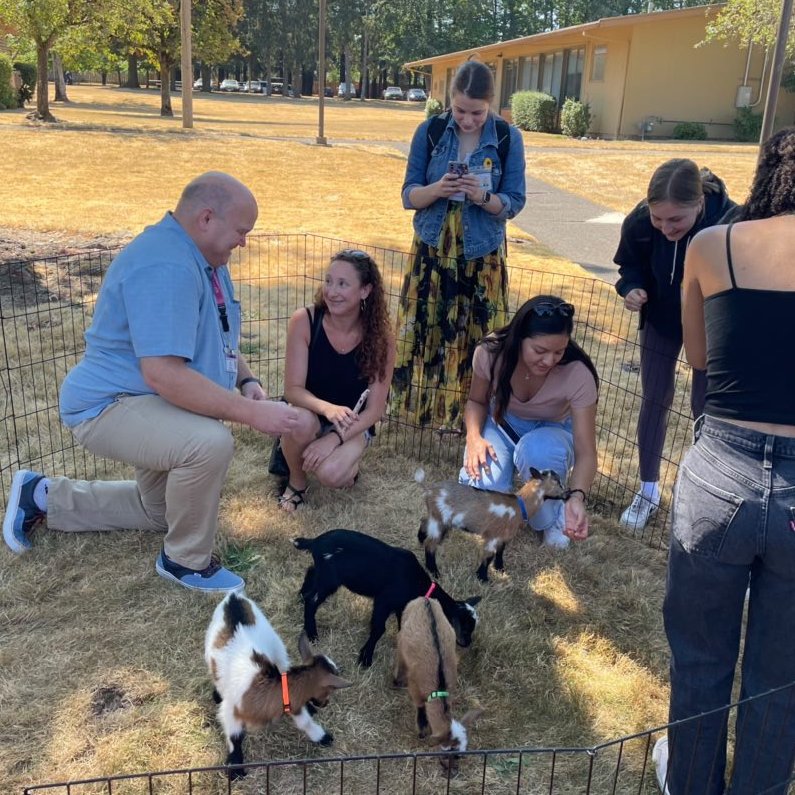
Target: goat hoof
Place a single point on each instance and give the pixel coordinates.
(236, 773)
(365, 660)
(482, 576)
(326, 739)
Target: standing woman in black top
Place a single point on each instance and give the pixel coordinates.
(336, 349)
(680, 201)
(734, 501)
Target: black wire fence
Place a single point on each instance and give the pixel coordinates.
(625, 765)
(45, 306)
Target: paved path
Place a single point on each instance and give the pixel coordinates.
(572, 227)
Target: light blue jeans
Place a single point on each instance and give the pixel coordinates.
(543, 445)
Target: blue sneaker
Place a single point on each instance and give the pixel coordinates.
(21, 511)
(214, 579)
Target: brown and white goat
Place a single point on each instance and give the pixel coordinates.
(254, 681)
(426, 663)
(497, 517)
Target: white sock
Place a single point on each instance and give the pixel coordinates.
(40, 494)
(650, 490)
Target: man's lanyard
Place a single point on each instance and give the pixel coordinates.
(219, 301)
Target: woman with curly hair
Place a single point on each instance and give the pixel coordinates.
(336, 349)
(733, 520)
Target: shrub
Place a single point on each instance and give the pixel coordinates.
(533, 110)
(575, 118)
(690, 131)
(27, 71)
(747, 125)
(433, 107)
(7, 93)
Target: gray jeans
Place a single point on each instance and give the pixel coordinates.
(180, 461)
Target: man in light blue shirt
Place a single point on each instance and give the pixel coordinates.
(160, 369)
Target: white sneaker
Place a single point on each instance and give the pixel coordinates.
(638, 514)
(660, 758)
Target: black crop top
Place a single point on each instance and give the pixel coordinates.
(750, 359)
(332, 376)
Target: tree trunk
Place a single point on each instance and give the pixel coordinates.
(132, 72)
(297, 79)
(103, 76)
(42, 112)
(60, 83)
(165, 93)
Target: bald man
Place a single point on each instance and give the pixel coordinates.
(162, 367)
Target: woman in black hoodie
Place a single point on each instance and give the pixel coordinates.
(680, 201)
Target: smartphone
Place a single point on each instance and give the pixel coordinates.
(458, 167)
(360, 402)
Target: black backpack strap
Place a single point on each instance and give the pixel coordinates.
(436, 129)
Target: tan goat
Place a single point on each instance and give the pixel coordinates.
(497, 517)
(426, 663)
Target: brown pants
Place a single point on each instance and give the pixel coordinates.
(180, 461)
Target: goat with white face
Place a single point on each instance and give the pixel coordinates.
(426, 662)
(495, 516)
(254, 681)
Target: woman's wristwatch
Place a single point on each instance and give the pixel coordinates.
(486, 198)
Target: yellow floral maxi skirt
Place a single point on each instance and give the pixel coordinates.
(447, 305)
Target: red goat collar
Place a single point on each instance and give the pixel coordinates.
(430, 590)
(285, 695)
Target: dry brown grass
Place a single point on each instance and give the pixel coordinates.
(102, 660)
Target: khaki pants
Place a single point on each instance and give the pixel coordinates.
(180, 461)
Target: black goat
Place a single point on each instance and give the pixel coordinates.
(390, 576)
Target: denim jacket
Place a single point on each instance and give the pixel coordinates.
(483, 232)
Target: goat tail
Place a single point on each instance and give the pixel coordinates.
(303, 543)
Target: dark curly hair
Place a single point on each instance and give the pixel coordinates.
(773, 189)
(505, 344)
(376, 334)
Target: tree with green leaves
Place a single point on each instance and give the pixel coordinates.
(745, 21)
(44, 21)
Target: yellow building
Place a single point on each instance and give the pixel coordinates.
(641, 74)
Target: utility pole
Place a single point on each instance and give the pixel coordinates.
(321, 73)
(186, 64)
(776, 72)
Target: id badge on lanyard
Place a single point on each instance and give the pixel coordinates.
(230, 354)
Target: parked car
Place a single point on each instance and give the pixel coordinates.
(351, 90)
(198, 83)
(328, 91)
(393, 92)
(255, 87)
(230, 85)
(416, 95)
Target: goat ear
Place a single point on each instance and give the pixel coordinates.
(305, 649)
(471, 717)
(473, 600)
(534, 473)
(337, 682)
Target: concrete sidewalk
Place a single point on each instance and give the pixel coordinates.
(574, 228)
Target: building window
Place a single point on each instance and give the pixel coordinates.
(598, 62)
(552, 73)
(510, 71)
(529, 70)
(574, 64)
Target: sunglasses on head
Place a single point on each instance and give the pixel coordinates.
(549, 308)
(352, 253)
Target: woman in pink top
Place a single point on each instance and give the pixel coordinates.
(533, 403)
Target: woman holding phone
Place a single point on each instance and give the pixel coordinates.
(339, 362)
(464, 179)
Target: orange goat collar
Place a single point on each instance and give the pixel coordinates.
(285, 695)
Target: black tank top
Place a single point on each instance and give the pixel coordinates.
(750, 358)
(335, 377)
